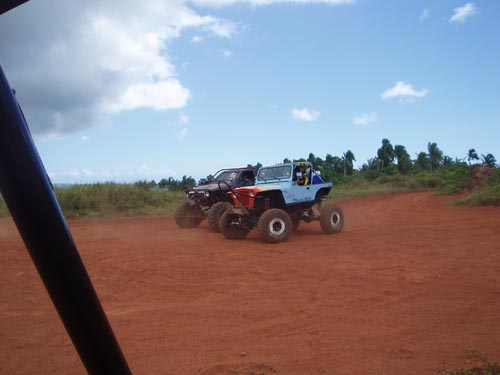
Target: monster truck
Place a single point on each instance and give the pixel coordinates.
(283, 195)
(211, 200)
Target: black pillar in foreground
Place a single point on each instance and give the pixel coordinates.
(28, 193)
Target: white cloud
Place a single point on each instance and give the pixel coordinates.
(75, 173)
(183, 133)
(460, 14)
(168, 94)
(83, 139)
(404, 91)
(226, 53)
(85, 60)
(220, 3)
(183, 118)
(197, 39)
(365, 119)
(305, 114)
(222, 28)
(425, 14)
(85, 175)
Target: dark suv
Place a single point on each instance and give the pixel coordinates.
(211, 200)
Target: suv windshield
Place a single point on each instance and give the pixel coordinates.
(226, 176)
(272, 173)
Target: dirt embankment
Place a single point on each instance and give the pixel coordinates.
(411, 286)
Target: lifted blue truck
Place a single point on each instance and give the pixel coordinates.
(283, 195)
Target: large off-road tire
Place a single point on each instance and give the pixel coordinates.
(230, 228)
(214, 214)
(187, 216)
(275, 225)
(331, 218)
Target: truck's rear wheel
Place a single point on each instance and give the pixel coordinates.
(231, 226)
(275, 225)
(331, 218)
(214, 214)
(187, 216)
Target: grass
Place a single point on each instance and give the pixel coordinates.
(491, 368)
(485, 194)
(387, 184)
(480, 365)
(110, 199)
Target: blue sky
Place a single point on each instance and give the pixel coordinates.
(124, 91)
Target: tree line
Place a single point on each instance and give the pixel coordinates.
(389, 160)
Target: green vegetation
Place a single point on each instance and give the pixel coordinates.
(479, 361)
(456, 178)
(384, 184)
(485, 195)
(117, 199)
(391, 170)
(492, 368)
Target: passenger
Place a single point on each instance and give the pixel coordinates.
(246, 181)
(307, 177)
(299, 177)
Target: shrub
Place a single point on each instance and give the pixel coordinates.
(489, 195)
(455, 179)
(111, 198)
(494, 178)
(491, 368)
(428, 180)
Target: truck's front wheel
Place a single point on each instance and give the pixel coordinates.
(214, 214)
(275, 225)
(187, 216)
(231, 226)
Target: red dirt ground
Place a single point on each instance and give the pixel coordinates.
(410, 286)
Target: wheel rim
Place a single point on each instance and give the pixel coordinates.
(335, 219)
(233, 220)
(277, 226)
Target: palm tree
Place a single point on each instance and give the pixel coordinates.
(422, 161)
(404, 161)
(472, 155)
(435, 155)
(489, 160)
(348, 158)
(386, 153)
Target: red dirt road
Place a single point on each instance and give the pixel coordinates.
(410, 286)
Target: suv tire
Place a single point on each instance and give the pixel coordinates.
(230, 230)
(275, 225)
(187, 216)
(331, 218)
(214, 214)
